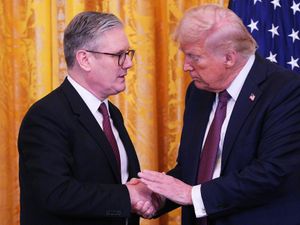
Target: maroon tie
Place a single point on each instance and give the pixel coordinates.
(109, 134)
(211, 145)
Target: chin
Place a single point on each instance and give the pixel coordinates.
(203, 86)
(120, 89)
(123, 87)
(199, 85)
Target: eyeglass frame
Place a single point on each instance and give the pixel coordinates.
(129, 52)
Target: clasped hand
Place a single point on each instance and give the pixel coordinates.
(148, 193)
(143, 201)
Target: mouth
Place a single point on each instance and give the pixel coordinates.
(195, 78)
(121, 78)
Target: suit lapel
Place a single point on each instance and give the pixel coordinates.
(196, 116)
(88, 121)
(247, 99)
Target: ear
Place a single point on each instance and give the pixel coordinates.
(230, 59)
(83, 60)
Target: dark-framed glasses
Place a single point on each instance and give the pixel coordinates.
(121, 56)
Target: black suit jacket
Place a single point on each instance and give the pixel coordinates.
(260, 171)
(68, 172)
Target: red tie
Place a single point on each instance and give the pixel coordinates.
(211, 145)
(109, 134)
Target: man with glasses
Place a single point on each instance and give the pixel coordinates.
(76, 158)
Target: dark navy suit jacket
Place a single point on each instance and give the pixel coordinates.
(260, 171)
(68, 172)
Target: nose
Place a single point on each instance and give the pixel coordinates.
(187, 65)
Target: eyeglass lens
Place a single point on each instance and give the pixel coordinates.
(122, 57)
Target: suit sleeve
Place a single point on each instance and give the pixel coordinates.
(47, 170)
(177, 170)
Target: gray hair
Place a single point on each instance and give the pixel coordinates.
(219, 28)
(84, 29)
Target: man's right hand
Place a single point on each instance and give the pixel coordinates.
(143, 201)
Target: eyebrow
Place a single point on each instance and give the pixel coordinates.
(120, 51)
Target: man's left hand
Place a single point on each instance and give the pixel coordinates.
(167, 186)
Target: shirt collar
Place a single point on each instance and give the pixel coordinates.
(235, 87)
(90, 100)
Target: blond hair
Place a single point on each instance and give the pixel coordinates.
(218, 27)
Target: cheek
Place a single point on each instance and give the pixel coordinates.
(204, 64)
(108, 75)
(202, 70)
(209, 73)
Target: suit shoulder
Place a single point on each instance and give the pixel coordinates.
(52, 103)
(283, 79)
(280, 73)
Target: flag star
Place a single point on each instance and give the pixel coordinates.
(276, 3)
(274, 30)
(253, 25)
(272, 57)
(293, 62)
(294, 35)
(257, 1)
(295, 7)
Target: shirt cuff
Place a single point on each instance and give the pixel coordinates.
(198, 202)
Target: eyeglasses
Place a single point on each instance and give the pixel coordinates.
(121, 56)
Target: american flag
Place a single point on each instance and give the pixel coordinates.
(275, 25)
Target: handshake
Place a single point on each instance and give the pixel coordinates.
(148, 194)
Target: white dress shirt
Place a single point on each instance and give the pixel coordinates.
(234, 91)
(93, 104)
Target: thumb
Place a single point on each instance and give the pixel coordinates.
(134, 181)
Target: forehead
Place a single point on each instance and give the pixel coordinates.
(114, 40)
(192, 47)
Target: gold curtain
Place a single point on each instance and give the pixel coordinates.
(32, 64)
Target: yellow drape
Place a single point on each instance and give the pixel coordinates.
(32, 64)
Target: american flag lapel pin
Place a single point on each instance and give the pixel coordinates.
(252, 97)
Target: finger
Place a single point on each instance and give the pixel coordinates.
(148, 210)
(143, 207)
(134, 181)
(158, 188)
(146, 207)
(153, 176)
(151, 173)
(149, 184)
(149, 213)
(139, 206)
(153, 184)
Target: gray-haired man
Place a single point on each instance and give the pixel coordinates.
(76, 157)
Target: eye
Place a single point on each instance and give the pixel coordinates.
(193, 57)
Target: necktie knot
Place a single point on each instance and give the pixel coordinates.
(224, 96)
